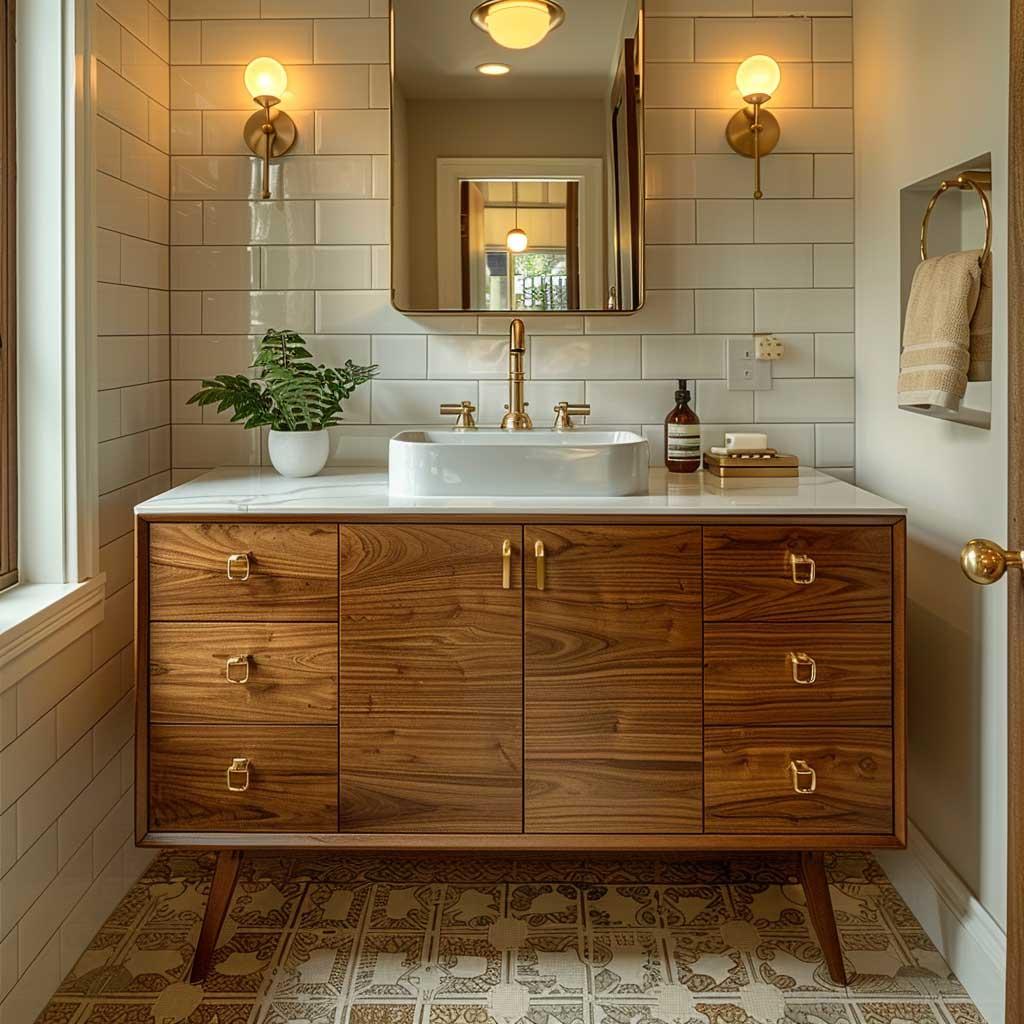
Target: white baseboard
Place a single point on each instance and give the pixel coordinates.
(963, 931)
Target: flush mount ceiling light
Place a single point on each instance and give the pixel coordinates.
(493, 69)
(268, 133)
(518, 24)
(753, 132)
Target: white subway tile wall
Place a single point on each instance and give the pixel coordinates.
(315, 258)
(67, 849)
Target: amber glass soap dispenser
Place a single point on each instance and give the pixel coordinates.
(682, 435)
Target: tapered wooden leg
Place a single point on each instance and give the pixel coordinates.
(224, 877)
(819, 907)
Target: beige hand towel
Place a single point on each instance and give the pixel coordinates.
(981, 328)
(937, 331)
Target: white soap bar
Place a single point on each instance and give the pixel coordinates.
(745, 442)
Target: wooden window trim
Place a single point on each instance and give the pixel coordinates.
(8, 292)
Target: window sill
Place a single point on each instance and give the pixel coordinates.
(39, 619)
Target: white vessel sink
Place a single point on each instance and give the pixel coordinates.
(579, 463)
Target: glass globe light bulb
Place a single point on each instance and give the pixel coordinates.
(758, 76)
(266, 77)
(517, 240)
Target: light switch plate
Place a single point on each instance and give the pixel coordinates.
(744, 371)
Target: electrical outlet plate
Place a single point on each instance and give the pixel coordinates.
(744, 371)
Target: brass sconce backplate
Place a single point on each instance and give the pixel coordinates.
(285, 133)
(741, 138)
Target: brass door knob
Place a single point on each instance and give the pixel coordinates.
(984, 561)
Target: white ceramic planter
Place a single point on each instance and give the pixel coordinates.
(299, 453)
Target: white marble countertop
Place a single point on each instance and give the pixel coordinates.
(364, 492)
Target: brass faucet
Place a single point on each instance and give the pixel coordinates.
(516, 417)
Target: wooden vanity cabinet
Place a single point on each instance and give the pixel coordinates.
(489, 684)
(533, 684)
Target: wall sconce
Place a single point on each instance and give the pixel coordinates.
(268, 133)
(753, 132)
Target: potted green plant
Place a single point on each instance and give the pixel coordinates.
(293, 396)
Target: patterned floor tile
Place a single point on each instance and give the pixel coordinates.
(327, 939)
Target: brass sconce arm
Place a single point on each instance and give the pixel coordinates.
(754, 133)
(269, 135)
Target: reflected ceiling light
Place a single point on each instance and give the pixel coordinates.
(754, 132)
(517, 240)
(518, 24)
(493, 69)
(268, 133)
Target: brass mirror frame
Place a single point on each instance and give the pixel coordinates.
(640, 220)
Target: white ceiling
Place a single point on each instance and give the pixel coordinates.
(438, 48)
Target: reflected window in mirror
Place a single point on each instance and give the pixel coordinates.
(518, 192)
(520, 246)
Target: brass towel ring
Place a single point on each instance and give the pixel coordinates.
(963, 182)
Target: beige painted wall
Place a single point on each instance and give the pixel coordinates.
(952, 477)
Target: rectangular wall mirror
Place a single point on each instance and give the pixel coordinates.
(517, 173)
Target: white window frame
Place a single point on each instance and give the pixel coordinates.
(60, 593)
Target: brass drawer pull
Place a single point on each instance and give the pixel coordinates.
(538, 552)
(799, 660)
(804, 571)
(239, 567)
(805, 778)
(506, 564)
(238, 774)
(242, 662)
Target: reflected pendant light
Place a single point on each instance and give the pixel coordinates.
(516, 240)
(518, 24)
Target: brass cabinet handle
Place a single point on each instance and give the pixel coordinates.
(242, 564)
(805, 778)
(243, 662)
(984, 561)
(238, 774)
(506, 564)
(804, 571)
(799, 660)
(538, 553)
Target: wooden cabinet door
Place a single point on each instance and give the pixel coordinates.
(431, 678)
(613, 679)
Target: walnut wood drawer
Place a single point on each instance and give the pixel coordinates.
(284, 572)
(798, 674)
(291, 786)
(809, 573)
(751, 778)
(243, 672)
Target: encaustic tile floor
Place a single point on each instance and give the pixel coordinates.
(340, 940)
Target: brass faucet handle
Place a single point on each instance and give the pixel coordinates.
(464, 410)
(564, 412)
